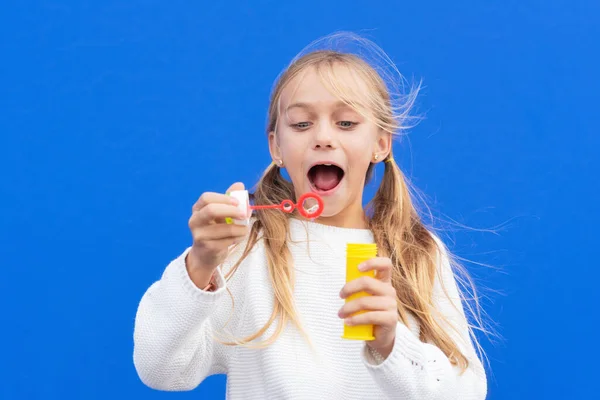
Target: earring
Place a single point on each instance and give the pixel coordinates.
(376, 156)
(280, 163)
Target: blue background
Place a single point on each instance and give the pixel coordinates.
(115, 116)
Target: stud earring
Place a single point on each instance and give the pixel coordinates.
(376, 156)
(280, 163)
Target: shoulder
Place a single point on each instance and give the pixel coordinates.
(442, 256)
(451, 285)
(440, 245)
(447, 272)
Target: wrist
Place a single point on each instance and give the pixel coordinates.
(381, 352)
(200, 276)
(375, 355)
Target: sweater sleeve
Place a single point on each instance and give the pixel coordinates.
(418, 370)
(174, 348)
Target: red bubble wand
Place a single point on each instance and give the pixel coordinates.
(288, 206)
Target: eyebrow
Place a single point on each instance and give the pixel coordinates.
(298, 105)
(337, 105)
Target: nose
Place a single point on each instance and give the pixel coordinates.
(324, 138)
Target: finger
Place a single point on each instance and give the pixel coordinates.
(380, 318)
(368, 303)
(235, 186)
(369, 285)
(210, 198)
(382, 267)
(215, 212)
(220, 231)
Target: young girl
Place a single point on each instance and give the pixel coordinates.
(266, 303)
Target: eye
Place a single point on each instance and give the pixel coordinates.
(347, 124)
(301, 125)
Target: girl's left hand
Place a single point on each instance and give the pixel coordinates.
(381, 308)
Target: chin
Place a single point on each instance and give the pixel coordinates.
(330, 213)
(335, 200)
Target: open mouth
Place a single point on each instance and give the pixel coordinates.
(325, 177)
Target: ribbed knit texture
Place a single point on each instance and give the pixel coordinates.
(176, 325)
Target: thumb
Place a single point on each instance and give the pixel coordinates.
(235, 186)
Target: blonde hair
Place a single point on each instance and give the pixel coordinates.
(393, 218)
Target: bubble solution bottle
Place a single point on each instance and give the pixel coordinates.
(357, 253)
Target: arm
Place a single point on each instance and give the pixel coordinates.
(173, 344)
(417, 370)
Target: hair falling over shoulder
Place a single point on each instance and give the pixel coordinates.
(394, 220)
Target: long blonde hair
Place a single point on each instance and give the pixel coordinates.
(393, 218)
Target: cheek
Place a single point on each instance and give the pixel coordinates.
(289, 152)
(292, 156)
(360, 156)
(361, 160)
(360, 150)
(292, 145)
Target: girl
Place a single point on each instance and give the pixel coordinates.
(265, 303)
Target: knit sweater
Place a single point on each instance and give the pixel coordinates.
(179, 329)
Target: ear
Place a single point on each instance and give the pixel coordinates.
(383, 145)
(274, 146)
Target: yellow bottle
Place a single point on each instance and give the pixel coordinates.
(357, 253)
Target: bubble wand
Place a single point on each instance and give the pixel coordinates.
(286, 206)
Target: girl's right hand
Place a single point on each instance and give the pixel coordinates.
(211, 234)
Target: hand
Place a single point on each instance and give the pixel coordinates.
(211, 235)
(381, 308)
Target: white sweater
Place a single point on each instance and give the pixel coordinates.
(175, 326)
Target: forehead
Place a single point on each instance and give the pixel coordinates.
(325, 85)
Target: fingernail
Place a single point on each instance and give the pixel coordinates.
(348, 321)
(234, 201)
(362, 266)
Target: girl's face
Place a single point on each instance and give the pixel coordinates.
(326, 146)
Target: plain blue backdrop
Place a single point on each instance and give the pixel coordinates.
(115, 116)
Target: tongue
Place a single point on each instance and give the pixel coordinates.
(325, 178)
